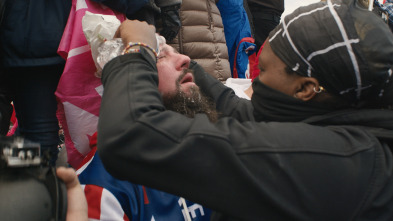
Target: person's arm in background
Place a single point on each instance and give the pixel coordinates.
(147, 10)
(128, 7)
(76, 201)
(170, 17)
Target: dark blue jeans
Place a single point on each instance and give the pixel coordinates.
(32, 91)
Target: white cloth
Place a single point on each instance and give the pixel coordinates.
(239, 85)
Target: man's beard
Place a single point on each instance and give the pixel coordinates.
(190, 104)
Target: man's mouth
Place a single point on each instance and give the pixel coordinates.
(187, 78)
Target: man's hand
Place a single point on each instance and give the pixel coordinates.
(77, 204)
(137, 31)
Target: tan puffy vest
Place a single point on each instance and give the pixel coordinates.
(202, 37)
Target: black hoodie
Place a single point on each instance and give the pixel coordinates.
(243, 169)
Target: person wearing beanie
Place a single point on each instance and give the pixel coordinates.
(314, 143)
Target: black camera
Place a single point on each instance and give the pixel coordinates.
(29, 187)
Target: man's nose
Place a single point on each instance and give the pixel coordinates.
(183, 62)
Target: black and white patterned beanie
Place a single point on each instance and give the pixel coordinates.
(347, 48)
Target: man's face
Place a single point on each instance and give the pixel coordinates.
(176, 84)
(273, 72)
(171, 68)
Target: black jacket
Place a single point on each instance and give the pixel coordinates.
(31, 31)
(274, 6)
(243, 169)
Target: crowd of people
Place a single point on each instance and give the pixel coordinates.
(308, 138)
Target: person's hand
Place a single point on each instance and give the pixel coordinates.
(170, 21)
(77, 204)
(137, 31)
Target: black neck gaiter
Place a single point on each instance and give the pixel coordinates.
(272, 105)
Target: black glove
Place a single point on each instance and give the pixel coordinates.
(170, 21)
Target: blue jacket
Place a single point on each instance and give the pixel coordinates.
(137, 202)
(31, 31)
(236, 27)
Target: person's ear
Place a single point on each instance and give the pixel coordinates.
(307, 88)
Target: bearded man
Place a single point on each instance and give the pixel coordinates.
(123, 200)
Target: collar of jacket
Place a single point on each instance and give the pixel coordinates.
(272, 105)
